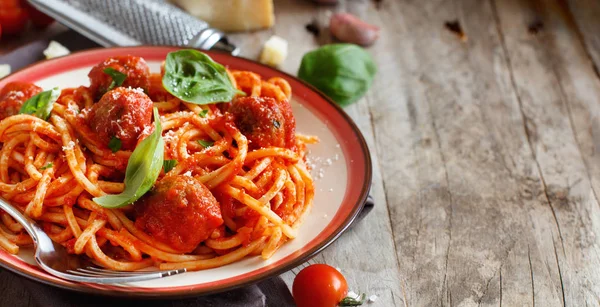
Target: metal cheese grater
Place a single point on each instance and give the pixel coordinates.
(135, 22)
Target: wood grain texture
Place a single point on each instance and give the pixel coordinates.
(485, 151)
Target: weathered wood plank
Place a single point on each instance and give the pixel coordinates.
(557, 108)
(498, 218)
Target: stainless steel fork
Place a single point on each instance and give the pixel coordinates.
(55, 259)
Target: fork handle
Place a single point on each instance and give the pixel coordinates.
(30, 225)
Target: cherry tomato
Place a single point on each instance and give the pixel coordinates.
(319, 285)
(39, 19)
(13, 19)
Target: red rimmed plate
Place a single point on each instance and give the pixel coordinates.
(341, 169)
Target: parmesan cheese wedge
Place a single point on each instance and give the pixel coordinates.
(232, 15)
(274, 51)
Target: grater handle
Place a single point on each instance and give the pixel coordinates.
(212, 39)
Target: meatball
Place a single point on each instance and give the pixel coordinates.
(123, 113)
(136, 69)
(13, 95)
(265, 121)
(180, 212)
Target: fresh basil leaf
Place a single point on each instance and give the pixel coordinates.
(41, 104)
(143, 168)
(344, 72)
(117, 77)
(194, 77)
(47, 166)
(168, 165)
(203, 113)
(114, 144)
(205, 144)
(276, 124)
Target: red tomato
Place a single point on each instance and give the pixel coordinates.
(13, 19)
(319, 285)
(12, 3)
(39, 19)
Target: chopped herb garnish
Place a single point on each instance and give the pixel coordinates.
(277, 124)
(205, 144)
(350, 301)
(45, 167)
(117, 77)
(114, 144)
(168, 165)
(203, 113)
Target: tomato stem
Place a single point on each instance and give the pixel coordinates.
(351, 301)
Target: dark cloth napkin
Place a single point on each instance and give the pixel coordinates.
(271, 292)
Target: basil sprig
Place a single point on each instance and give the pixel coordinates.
(344, 72)
(41, 104)
(194, 77)
(117, 77)
(143, 168)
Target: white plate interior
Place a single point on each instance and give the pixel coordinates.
(329, 172)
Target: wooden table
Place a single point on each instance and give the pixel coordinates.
(484, 151)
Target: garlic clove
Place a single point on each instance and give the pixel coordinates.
(349, 28)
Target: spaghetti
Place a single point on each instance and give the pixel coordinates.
(238, 184)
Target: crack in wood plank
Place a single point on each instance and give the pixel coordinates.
(443, 159)
(562, 284)
(500, 287)
(531, 274)
(385, 193)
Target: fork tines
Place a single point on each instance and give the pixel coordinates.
(99, 272)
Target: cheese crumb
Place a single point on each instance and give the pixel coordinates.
(69, 146)
(188, 173)
(55, 50)
(274, 51)
(5, 70)
(372, 298)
